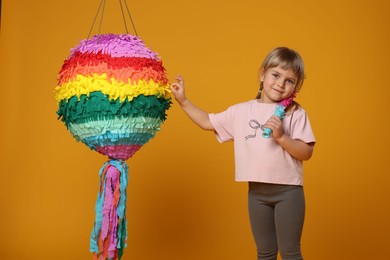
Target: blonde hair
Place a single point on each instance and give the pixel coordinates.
(286, 58)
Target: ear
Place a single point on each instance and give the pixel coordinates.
(261, 74)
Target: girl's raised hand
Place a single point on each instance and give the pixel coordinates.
(178, 89)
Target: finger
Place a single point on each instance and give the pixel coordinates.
(175, 86)
(180, 79)
(274, 120)
(271, 124)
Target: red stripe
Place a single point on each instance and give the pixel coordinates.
(92, 59)
(122, 75)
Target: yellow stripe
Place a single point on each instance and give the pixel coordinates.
(83, 85)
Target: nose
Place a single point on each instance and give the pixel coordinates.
(280, 82)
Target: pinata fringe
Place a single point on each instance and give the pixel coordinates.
(109, 234)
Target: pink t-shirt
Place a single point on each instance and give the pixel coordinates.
(260, 159)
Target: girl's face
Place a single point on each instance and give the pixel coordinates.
(278, 84)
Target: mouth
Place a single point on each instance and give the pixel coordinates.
(278, 91)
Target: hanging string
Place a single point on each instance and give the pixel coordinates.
(101, 17)
(94, 20)
(103, 3)
(131, 19)
(123, 16)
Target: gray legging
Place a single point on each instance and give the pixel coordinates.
(276, 215)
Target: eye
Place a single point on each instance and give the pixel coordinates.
(275, 75)
(290, 81)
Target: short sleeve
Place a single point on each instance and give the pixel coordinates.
(223, 124)
(301, 128)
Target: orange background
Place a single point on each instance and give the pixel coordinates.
(183, 201)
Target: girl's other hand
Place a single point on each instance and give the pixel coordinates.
(275, 124)
(178, 89)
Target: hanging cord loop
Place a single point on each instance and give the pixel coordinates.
(101, 6)
(94, 20)
(131, 19)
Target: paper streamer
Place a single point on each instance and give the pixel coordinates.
(280, 112)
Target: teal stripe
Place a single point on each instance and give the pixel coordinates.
(116, 139)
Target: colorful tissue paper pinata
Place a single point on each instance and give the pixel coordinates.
(112, 95)
(280, 112)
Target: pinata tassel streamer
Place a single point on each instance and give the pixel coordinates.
(109, 235)
(280, 112)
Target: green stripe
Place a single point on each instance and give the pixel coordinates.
(97, 106)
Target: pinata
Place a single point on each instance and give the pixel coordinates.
(112, 96)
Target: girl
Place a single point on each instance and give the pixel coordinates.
(271, 166)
